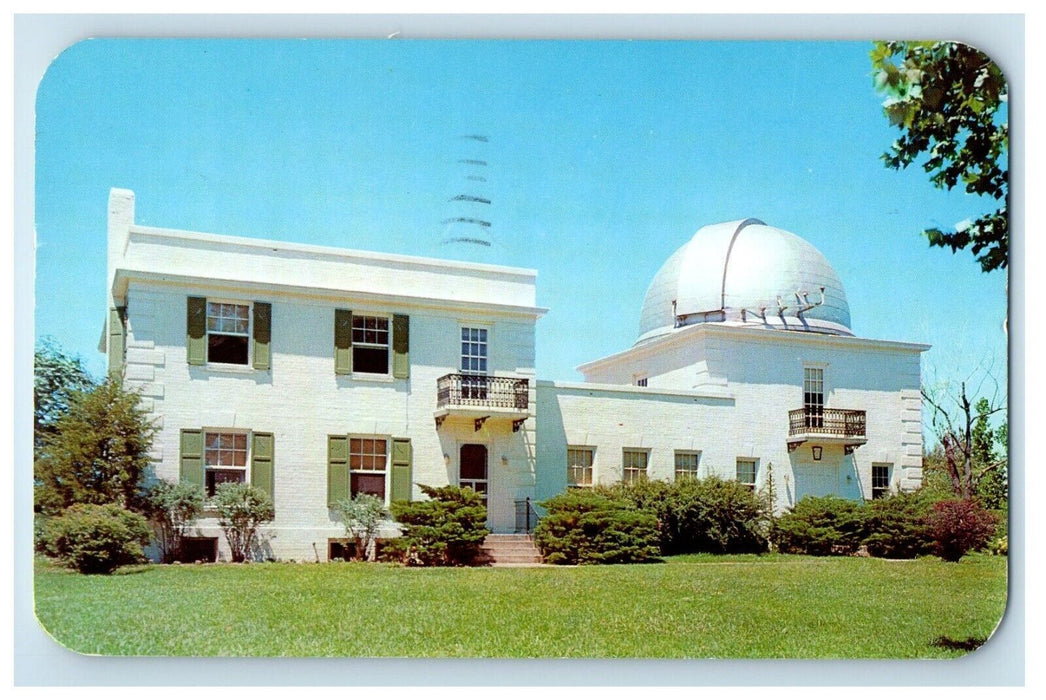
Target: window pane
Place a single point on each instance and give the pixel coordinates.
(370, 360)
(229, 349)
(374, 484)
(223, 476)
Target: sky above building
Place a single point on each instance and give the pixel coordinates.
(601, 159)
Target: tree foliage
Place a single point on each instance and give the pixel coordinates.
(57, 376)
(97, 451)
(959, 526)
(242, 509)
(362, 517)
(949, 101)
(173, 508)
(820, 525)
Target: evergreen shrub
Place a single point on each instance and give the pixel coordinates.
(702, 515)
(96, 539)
(820, 525)
(448, 529)
(896, 526)
(596, 526)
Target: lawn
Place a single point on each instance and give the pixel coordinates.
(687, 607)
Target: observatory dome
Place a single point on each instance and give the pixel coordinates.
(745, 273)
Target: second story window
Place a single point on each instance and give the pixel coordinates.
(228, 333)
(370, 344)
(474, 362)
(813, 396)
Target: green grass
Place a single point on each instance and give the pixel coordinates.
(688, 607)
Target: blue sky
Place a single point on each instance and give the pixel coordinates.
(604, 157)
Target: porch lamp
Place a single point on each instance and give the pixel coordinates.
(817, 453)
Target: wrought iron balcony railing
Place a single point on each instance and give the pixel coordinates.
(482, 391)
(827, 422)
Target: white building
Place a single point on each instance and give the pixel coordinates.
(316, 373)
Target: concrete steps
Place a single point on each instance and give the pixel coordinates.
(511, 550)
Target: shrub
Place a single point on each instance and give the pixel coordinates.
(896, 526)
(820, 526)
(242, 508)
(446, 530)
(362, 517)
(95, 539)
(173, 508)
(959, 526)
(596, 526)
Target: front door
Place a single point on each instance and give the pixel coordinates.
(472, 470)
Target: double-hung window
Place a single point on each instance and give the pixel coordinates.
(370, 344)
(686, 465)
(880, 480)
(746, 471)
(579, 467)
(813, 396)
(474, 363)
(634, 465)
(368, 460)
(224, 459)
(228, 332)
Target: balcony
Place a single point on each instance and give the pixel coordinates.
(482, 397)
(838, 426)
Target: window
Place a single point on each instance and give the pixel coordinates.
(639, 380)
(746, 470)
(635, 462)
(224, 459)
(474, 362)
(367, 460)
(579, 466)
(370, 344)
(228, 336)
(686, 465)
(813, 396)
(880, 480)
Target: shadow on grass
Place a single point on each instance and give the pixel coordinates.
(968, 644)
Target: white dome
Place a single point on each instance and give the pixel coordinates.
(745, 273)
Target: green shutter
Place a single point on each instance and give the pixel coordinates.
(337, 468)
(262, 447)
(262, 334)
(196, 331)
(401, 470)
(192, 457)
(342, 341)
(400, 346)
(116, 340)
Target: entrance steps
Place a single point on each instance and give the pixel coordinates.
(509, 550)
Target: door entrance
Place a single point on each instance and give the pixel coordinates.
(472, 470)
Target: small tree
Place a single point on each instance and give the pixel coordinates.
(97, 452)
(96, 539)
(242, 508)
(173, 508)
(959, 526)
(362, 517)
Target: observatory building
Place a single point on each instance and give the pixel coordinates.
(317, 373)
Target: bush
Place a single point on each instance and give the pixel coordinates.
(242, 508)
(596, 526)
(96, 539)
(959, 526)
(173, 508)
(710, 515)
(362, 516)
(896, 526)
(446, 530)
(820, 526)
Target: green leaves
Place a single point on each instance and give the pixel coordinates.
(949, 100)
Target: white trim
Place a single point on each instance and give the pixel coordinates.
(229, 366)
(691, 333)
